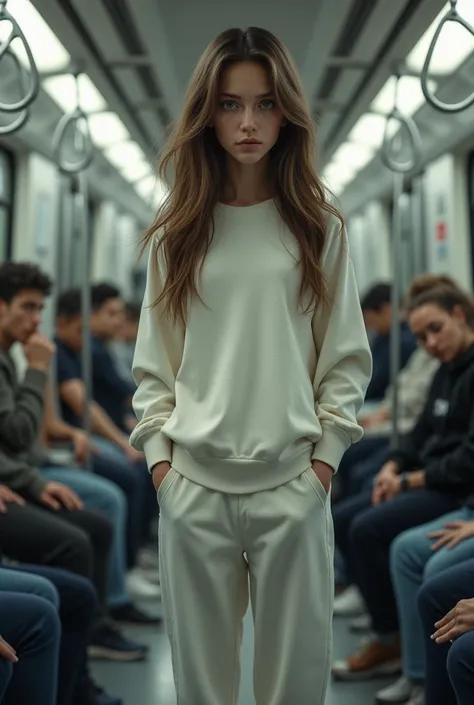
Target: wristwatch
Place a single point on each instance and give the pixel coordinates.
(404, 486)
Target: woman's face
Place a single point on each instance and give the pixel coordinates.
(443, 335)
(247, 119)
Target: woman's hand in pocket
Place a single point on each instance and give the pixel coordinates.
(159, 472)
(324, 473)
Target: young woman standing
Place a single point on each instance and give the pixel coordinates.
(252, 362)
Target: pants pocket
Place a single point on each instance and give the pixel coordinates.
(166, 484)
(316, 485)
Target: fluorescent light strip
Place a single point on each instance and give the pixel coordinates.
(454, 44)
(136, 171)
(410, 96)
(124, 154)
(107, 129)
(48, 52)
(62, 90)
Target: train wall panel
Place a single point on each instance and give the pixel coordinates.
(35, 221)
(447, 232)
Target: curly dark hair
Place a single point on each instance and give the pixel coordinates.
(20, 276)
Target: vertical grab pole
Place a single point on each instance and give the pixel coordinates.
(77, 170)
(398, 183)
(83, 209)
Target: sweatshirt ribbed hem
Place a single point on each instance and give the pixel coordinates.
(241, 475)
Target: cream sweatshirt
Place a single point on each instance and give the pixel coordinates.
(252, 390)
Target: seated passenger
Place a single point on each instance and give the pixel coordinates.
(117, 461)
(446, 606)
(74, 600)
(377, 310)
(123, 347)
(427, 477)
(78, 603)
(29, 650)
(416, 556)
(111, 391)
(103, 495)
(363, 460)
(23, 288)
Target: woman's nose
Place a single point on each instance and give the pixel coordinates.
(248, 120)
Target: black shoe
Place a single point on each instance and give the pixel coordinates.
(129, 614)
(108, 643)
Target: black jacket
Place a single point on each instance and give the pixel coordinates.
(442, 442)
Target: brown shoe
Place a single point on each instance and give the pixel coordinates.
(373, 660)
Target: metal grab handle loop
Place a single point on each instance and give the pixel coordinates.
(59, 139)
(34, 87)
(25, 114)
(451, 16)
(409, 125)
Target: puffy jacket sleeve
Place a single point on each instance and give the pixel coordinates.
(158, 355)
(344, 360)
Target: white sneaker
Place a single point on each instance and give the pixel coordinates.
(148, 559)
(151, 575)
(140, 588)
(418, 698)
(349, 603)
(402, 691)
(362, 623)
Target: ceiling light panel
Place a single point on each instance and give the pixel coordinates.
(369, 130)
(62, 90)
(454, 44)
(353, 156)
(107, 129)
(48, 52)
(136, 171)
(124, 154)
(410, 97)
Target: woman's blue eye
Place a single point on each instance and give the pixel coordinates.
(267, 104)
(228, 104)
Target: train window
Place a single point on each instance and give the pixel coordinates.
(6, 203)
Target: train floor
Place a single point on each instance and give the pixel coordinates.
(151, 682)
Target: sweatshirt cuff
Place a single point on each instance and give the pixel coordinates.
(36, 381)
(157, 449)
(331, 447)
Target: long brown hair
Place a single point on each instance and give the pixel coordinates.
(198, 164)
(442, 291)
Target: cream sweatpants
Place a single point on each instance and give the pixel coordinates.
(287, 536)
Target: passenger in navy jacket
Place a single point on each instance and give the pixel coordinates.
(377, 310)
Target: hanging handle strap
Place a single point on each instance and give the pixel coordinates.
(33, 89)
(451, 16)
(414, 140)
(25, 114)
(83, 138)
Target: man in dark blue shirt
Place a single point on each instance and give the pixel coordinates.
(117, 460)
(377, 310)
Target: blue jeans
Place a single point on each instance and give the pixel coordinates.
(364, 534)
(30, 624)
(134, 480)
(74, 598)
(412, 562)
(106, 498)
(449, 667)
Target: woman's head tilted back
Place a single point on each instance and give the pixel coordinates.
(441, 316)
(245, 108)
